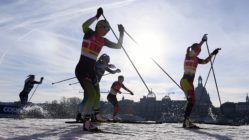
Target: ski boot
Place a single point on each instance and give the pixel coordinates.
(89, 126)
(116, 119)
(184, 123)
(97, 117)
(187, 123)
(100, 118)
(79, 118)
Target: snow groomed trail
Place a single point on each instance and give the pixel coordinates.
(57, 129)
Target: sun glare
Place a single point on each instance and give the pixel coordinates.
(151, 45)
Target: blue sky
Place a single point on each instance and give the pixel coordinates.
(44, 38)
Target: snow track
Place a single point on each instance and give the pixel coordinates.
(20, 129)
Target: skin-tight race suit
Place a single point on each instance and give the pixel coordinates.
(85, 69)
(112, 98)
(190, 64)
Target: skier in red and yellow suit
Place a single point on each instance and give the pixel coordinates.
(92, 44)
(115, 88)
(190, 64)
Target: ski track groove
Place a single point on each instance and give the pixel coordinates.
(16, 129)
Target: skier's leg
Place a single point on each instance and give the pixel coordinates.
(96, 104)
(189, 92)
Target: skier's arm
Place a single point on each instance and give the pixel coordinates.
(127, 89)
(200, 44)
(204, 38)
(120, 40)
(36, 82)
(86, 25)
(112, 71)
(205, 61)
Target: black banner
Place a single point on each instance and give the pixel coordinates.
(10, 109)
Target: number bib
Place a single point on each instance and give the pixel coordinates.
(92, 46)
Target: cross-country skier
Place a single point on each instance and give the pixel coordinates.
(115, 88)
(101, 66)
(28, 85)
(190, 64)
(93, 41)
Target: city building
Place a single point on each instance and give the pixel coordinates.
(236, 113)
(167, 110)
(203, 109)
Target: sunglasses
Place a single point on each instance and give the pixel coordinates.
(107, 29)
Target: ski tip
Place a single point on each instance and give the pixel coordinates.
(73, 122)
(96, 130)
(196, 127)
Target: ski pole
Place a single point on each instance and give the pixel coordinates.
(155, 62)
(206, 82)
(104, 91)
(63, 80)
(73, 83)
(78, 82)
(166, 73)
(214, 74)
(119, 93)
(108, 92)
(33, 92)
(125, 93)
(128, 57)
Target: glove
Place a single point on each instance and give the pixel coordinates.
(204, 38)
(99, 13)
(118, 70)
(111, 66)
(121, 28)
(41, 80)
(216, 51)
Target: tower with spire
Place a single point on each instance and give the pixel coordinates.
(247, 98)
(203, 103)
(201, 94)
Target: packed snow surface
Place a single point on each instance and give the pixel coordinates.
(57, 129)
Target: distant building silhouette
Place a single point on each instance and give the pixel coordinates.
(203, 106)
(202, 97)
(236, 112)
(166, 110)
(149, 108)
